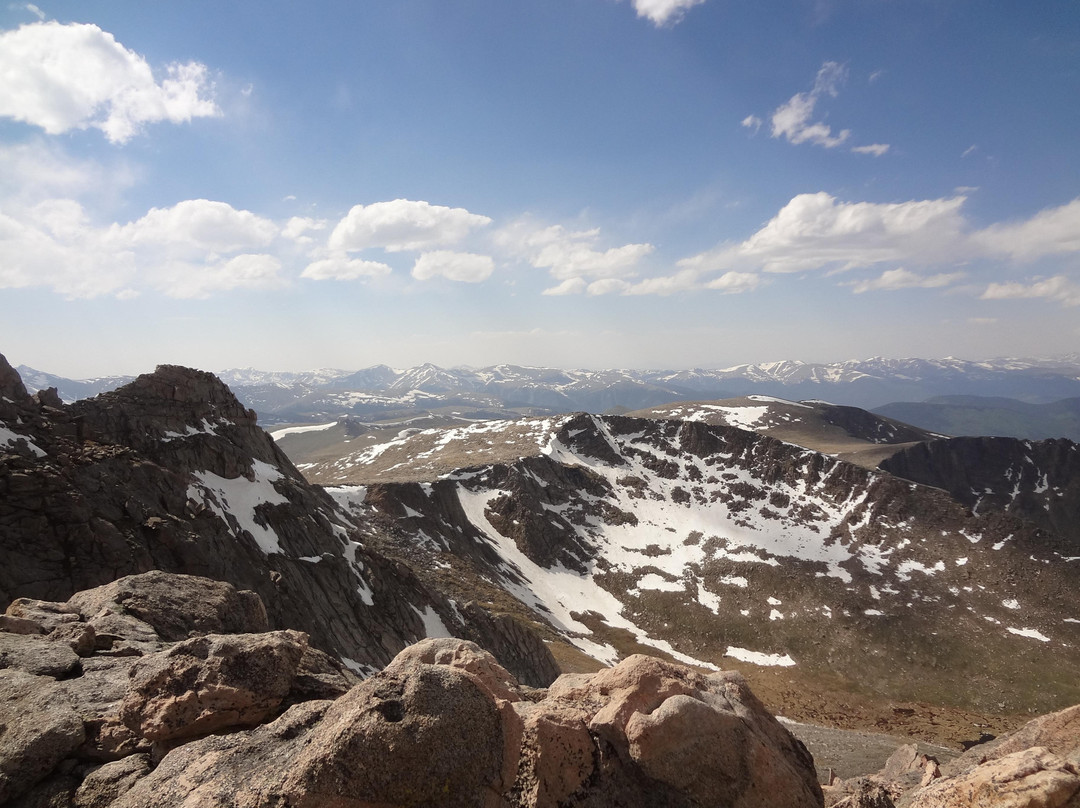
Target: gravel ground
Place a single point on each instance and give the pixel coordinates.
(849, 753)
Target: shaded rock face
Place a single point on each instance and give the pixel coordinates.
(446, 725)
(171, 472)
(1036, 481)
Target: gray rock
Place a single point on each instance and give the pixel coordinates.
(40, 729)
(37, 655)
(176, 606)
(104, 785)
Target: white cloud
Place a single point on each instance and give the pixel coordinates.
(662, 12)
(607, 286)
(76, 76)
(876, 149)
(1058, 288)
(245, 271)
(192, 249)
(734, 283)
(816, 231)
(343, 268)
(298, 226)
(901, 278)
(753, 123)
(403, 224)
(792, 120)
(454, 266)
(571, 286)
(570, 254)
(198, 225)
(1050, 232)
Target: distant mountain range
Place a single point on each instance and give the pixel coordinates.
(382, 393)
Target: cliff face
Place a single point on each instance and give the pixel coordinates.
(171, 472)
(1035, 481)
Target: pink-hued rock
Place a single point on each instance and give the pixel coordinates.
(1031, 778)
(436, 728)
(208, 684)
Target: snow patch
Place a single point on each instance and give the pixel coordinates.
(758, 658)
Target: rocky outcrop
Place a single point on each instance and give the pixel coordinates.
(260, 719)
(444, 724)
(171, 472)
(1037, 766)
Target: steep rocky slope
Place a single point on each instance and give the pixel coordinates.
(170, 472)
(703, 541)
(1036, 481)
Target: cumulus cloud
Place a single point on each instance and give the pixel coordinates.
(571, 286)
(298, 227)
(193, 249)
(343, 268)
(75, 76)
(900, 278)
(198, 225)
(403, 224)
(1058, 288)
(662, 12)
(817, 231)
(454, 266)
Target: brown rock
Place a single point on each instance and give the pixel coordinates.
(79, 637)
(1032, 778)
(40, 729)
(176, 606)
(463, 655)
(208, 684)
(104, 785)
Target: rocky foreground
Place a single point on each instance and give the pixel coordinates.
(162, 689)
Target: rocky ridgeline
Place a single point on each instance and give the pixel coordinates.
(699, 539)
(167, 690)
(171, 472)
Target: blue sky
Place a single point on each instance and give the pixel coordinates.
(578, 183)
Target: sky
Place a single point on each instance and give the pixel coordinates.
(655, 184)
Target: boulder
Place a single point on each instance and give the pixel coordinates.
(446, 725)
(39, 729)
(37, 655)
(104, 785)
(176, 606)
(210, 684)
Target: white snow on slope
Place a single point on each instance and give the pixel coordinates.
(757, 658)
(278, 434)
(9, 438)
(238, 498)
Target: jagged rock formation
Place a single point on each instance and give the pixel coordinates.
(171, 472)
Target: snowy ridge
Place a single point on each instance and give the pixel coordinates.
(704, 541)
